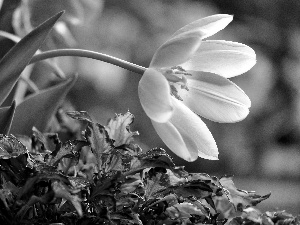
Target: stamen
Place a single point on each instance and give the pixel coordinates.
(184, 73)
(176, 75)
(180, 70)
(183, 83)
(174, 92)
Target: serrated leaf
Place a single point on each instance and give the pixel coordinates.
(197, 189)
(45, 174)
(175, 178)
(44, 142)
(14, 62)
(210, 202)
(6, 117)
(118, 129)
(130, 184)
(170, 199)
(6, 197)
(156, 180)
(183, 211)
(112, 162)
(79, 182)
(99, 140)
(126, 218)
(14, 169)
(120, 216)
(211, 181)
(156, 157)
(62, 191)
(107, 185)
(234, 201)
(6, 193)
(82, 115)
(69, 149)
(9, 185)
(281, 217)
(252, 214)
(241, 199)
(10, 147)
(37, 109)
(67, 126)
(46, 198)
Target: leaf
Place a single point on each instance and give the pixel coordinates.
(10, 146)
(107, 185)
(118, 129)
(62, 191)
(126, 218)
(281, 217)
(44, 142)
(239, 198)
(96, 135)
(46, 198)
(48, 62)
(7, 193)
(170, 199)
(112, 162)
(6, 117)
(37, 109)
(82, 115)
(99, 140)
(70, 128)
(47, 174)
(13, 162)
(79, 182)
(156, 180)
(156, 157)
(130, 184)
(197, 189)
(183, 210)
(6, 197)
(235, 200)
(70, 149)
(211, 181)
(252, 214)
(9, 186)
(14, 62)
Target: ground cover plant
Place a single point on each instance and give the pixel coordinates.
(59, 166)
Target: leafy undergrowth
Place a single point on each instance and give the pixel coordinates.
(105, 178)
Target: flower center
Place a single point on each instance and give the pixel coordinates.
(176, 75)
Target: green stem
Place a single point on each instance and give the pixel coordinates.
(89, 54)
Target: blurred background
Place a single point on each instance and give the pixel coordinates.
(262, 151)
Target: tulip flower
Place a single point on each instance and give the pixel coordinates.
(188, 78)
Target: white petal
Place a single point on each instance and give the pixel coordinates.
(154, 94)
(225, 58)
(176, 50)
(188, 123)
(208, 26)
(186, 134)
(175, 142)
(215, 98)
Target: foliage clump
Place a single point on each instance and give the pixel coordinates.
(104, 177)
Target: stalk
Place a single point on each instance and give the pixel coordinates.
(88, 54)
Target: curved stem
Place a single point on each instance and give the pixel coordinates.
(89, 54)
